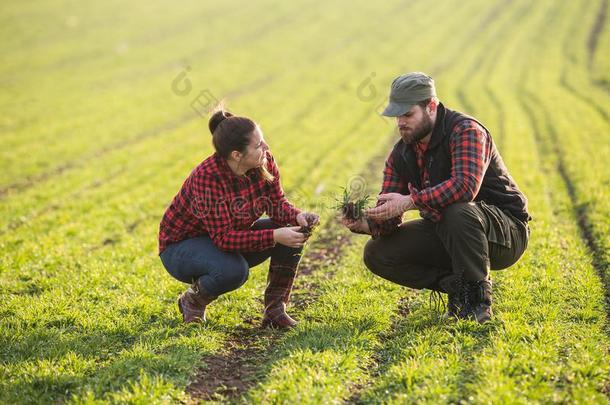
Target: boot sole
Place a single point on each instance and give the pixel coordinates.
(267, 323)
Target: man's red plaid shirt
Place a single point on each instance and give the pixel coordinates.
(216, 202)
(470, 150)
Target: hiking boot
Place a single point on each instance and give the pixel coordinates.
(478, 294)
(192, 303)
(453, 285)
(277, 295)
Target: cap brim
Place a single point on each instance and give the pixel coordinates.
(396, 110)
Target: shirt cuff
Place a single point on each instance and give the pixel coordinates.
(266, 239)
(374, 228)
(425, 210)
(416, 197)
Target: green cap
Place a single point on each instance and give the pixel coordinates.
(406, 91)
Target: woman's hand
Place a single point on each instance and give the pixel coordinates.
(289, 236)
(308, 219)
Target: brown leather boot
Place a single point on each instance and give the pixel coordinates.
(192, 303)
(277, 295)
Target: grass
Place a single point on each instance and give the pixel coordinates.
(95, 144)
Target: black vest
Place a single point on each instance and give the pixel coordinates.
(498, 187)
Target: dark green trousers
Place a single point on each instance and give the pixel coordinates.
(470, 239)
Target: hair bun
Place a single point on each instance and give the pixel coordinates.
(216, 118)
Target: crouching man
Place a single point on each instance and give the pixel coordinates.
(474, 217)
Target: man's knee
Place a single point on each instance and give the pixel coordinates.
(459, 216)
(405, 274)
(373, 257)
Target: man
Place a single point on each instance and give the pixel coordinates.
(474, 217)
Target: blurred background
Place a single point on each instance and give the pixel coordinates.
(104, 109)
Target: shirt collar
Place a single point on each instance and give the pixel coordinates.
(227, 172)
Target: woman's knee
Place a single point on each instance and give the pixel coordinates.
(286, 255)
(234, 276)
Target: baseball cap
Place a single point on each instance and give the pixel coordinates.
(406, 91)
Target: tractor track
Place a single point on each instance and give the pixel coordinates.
(492, 15)
(142, 136)
(596, 30)
(215, 380)
(528, 102)
(230, 374)
(382, 360)
(58, 170)
(571, 59)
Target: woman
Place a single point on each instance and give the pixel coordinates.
(211, 234)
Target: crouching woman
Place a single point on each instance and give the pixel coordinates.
(212, 232)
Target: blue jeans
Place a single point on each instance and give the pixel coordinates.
(218, 272)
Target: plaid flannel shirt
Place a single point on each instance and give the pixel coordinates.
(470, 150)
(216, 202)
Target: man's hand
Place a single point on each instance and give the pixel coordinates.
(356, 225)
(393, 205)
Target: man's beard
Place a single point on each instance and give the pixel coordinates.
(417, 133)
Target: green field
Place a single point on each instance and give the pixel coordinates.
(98, 132)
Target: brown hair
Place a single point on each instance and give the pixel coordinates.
(424, 103)
(230, 132)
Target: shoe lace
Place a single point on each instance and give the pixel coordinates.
(465, 295)
(474, 293)
(436, 301)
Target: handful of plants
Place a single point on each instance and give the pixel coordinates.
(312, 222)
(351, 206)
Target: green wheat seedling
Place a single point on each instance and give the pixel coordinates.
(352, 207)
(87, 310)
